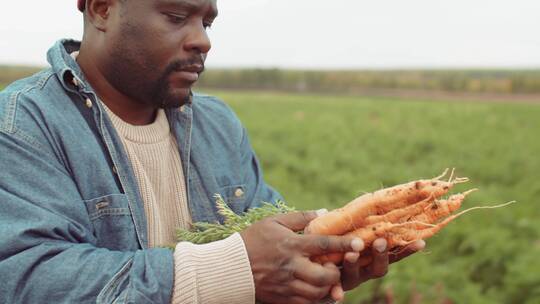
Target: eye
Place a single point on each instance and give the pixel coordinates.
(207, 25)
(176, 19)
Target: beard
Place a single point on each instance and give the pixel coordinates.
(132, 72)
(163, 95)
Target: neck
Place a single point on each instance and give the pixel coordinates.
(121, 105)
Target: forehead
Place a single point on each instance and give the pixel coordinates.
(192, 5)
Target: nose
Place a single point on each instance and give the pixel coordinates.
(198, 40)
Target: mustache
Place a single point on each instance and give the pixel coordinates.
(182, 64)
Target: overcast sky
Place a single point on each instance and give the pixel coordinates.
(321, 33)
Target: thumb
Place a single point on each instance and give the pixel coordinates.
(296, 221)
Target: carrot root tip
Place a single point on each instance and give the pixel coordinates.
(442, 175)
(451, 174)
(470, 191)
(460, 180)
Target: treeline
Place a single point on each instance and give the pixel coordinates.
(467, 81)
(10, 73)
(351, 82)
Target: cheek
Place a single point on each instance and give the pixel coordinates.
(162, 40)
(147, 42)
(161, 54)
(169, 41)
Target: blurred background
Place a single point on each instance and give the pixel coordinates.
(345, 97)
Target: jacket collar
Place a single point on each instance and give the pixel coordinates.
(65, 67)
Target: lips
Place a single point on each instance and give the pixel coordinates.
(193, 68)
(189, 73)
(187, 76)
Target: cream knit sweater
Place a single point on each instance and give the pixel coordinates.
(218, 272)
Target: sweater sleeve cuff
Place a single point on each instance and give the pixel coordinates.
(218, 272)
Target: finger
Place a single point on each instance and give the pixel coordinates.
(324, 244)
(366, 257)
(319, 213)
(351, 258)
(308, 291)
(350, 271)
(316, 274)
(337, 293)
(296, 221)
(290, 299)
(364, 261)
(379, 267)
(407, 251)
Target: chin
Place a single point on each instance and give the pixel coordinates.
(177, 98)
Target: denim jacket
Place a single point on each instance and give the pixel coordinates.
(72, 222)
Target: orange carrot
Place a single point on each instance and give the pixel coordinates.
(405, 237)
(352, 215)
(397, 215)
(387, 231)
(439, 209)
(369, 234)
(399, 234)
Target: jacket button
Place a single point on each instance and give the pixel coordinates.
(101, 205)
(238, 192)
(75, 81)
(88, 103)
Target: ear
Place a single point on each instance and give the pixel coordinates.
(97, 12)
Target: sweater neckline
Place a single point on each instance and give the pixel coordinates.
(155, 132)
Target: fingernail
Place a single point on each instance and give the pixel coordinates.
(352, 257)
(419, 245)
(321, 211)
(380, 245)
(329, 264)
(357, 244)
(337, 293)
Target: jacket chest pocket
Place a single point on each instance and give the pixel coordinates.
(112, 222)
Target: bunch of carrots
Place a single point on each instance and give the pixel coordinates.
(401, 214)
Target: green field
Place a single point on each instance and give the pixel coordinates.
(323, 151)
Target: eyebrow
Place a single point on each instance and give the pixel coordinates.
(189, 5)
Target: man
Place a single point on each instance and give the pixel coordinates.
(107, 152)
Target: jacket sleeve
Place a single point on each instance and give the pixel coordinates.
(48, 252)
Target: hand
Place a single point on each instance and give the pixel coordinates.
(279, 258)
(354, 271)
